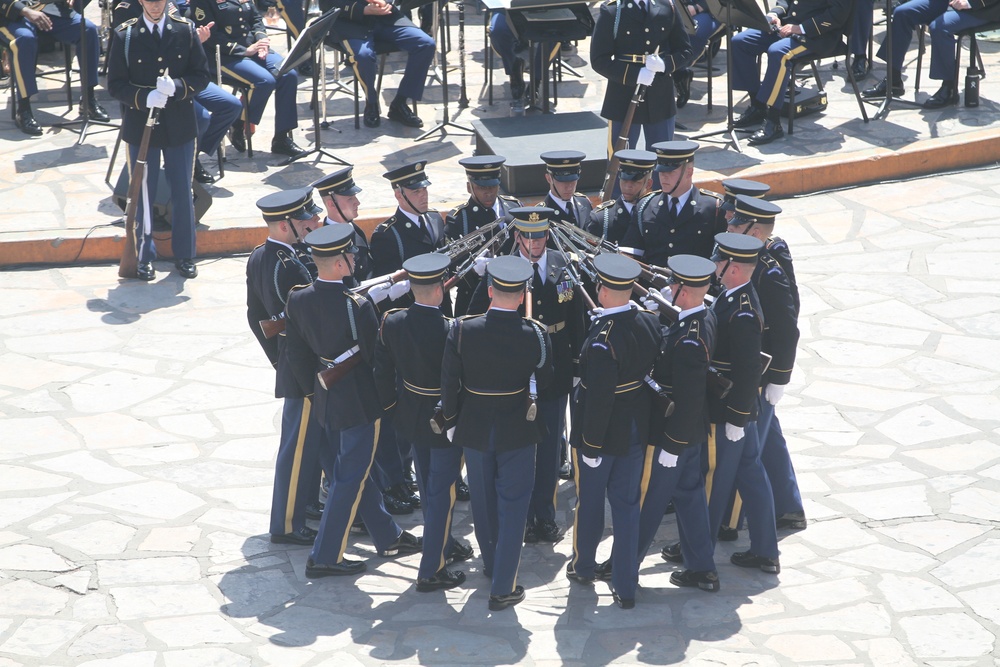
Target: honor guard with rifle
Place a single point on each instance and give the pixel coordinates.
(157, 62)
(20, 23)
(611, 219)
(636, 46)
(331, 347)
(272, 270)
(339, 194)
(779, 301)
(611, 415)
(677, 219)
(408, 376)
(485, 205)
(562, 171)
(551, 301)
(733, 444)
(490, 363)
(732, 187)
(672, 471)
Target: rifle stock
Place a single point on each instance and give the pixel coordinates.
(128, 265)
(390, 278)
(272, 326)
(333, 374)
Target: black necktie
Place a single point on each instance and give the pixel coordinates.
(570, 212)
(536, 283)
(674, 201)
(156, 32)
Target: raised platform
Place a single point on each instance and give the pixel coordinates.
(522, 139)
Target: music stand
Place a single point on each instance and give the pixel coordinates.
(446, 121)
(746, 14)
(884, 109)
(305, 47)
(84, 121)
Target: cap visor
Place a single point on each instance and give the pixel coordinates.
(566, 178)
(486, 182)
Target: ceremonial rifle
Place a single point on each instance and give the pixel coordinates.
(128, 265)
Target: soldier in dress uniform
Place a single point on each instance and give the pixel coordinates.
(733, 444)
(157, 61)
(273, 269)
(408, 375)
(732, 187)
(639, 42)
(611, 410)
(339, 194)
(485, 205)
(611, 219)
(562, 171)
(555, 306)
(489, 361)
(779, 300)
(327, 326)
(246, 57)
(677, 219)
(672, 468)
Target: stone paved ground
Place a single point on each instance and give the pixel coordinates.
(138, 434)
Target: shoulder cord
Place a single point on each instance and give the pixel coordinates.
(128, 40)
(350, 318)
(399, 242)
(618, 18)
(541, 343)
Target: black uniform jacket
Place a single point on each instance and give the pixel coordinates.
(557, 307)
(777, 248)
(737, 355)
(463, 220)
(272, 271)
(238, 24)
(681, 370)
(580, 208)
(822, 20)
(488, 361)
(653, 231)
(618, 57)
(610, 220)
(408, 370)
(324, 321)
(612, 396)
(781, 331)
(133, 70)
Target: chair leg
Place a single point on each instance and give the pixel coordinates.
(357, 106)
(857, 93)
(920, 57)
(791, 99)
(69, 77)
(246, 124)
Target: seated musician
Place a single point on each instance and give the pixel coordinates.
(705, 26)
(513, 53)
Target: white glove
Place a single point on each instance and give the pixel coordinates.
(378, 293)
(591, 463)
(645, 77)
(576, 380)
(450, 434)
(479, 266)
(666, 459)
(156, 100)
(649, 303)
(634, 305)
(773, 393)
(596, 314)
(667, 294)
(654, 63)
(396, 290)
(166, 85)
(734, 433)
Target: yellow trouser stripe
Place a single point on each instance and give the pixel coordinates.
(611, 144)
(293, 482)
(647, 473)
(576, 517)
(773, 97)
(230, 73)
(354, 66)
(15, 65)
(357, 501)
(288, 22)
(734, 518)
(712, 459)
(447, 525)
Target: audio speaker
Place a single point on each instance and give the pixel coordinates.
(162, 206)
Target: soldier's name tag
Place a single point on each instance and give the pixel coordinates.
(564, 291)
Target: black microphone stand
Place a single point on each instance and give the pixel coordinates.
(884, 107)
(446, 121)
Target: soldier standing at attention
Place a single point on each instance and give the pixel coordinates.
(611, 411)
(611, 219)
(339, 194)
(488, 364)
(327, 326)
(562, 171)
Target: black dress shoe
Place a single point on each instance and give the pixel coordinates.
(25, 119)
(500, 602)
(548, 531)
(201, 174)
(186, 268)
(146, 271)
(572, 575)
(878, 90)
(791, 521)
(372, 114)
(314, 511)
(285, 145)
(401, 492)
(672, 553)
(752, 117)
(727, 534)
(443, 580)
(566, 471)
(304, 536)
(343, 568)
(860, 68)
(411, 479)
(624, 603)
(682, 82)
(405, 544)
(603, 570)
(462, 491)
(530, 534)
(395, 506)
(706, 581)
(237, 136)
(750, 559)
(402, 113)
(770, 131)
(94, 110)
(458, 553)
(946, 95)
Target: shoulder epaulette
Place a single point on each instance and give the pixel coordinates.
(386, 224)
(391, 311)
(356, 298)
(694, 330)
(123, 5)
(297, 287)
(462, 318)
(510, 198)
(261, 245)
(177, 17)
(611, 2)
(776, 242)
(710, 193)
(580, 194)
(125, 24)
(605, 204)
(535, 323)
